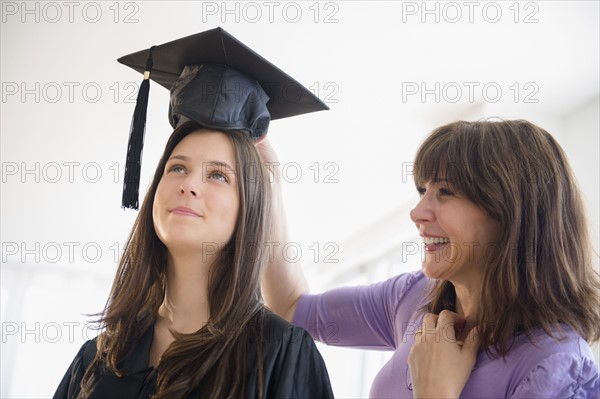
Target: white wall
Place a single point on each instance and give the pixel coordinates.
(581, 141)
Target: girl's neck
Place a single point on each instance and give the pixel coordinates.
(185, 306)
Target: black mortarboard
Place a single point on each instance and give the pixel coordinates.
(216, 81)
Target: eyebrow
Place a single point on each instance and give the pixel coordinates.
(212, 163)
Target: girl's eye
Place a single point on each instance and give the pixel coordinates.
(421, 191)
(218, 176)
(177, 169)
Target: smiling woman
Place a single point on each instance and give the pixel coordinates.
(197, 199)
(507, 299)
(455, 231)
(185, 316)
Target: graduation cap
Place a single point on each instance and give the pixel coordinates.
(216, 81)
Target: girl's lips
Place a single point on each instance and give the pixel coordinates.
(183, 211)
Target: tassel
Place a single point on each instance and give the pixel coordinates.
(133, 164)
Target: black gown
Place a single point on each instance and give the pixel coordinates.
(293, 368)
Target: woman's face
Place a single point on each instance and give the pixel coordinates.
(197, 200)
(458, 237)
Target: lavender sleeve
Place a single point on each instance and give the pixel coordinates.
(562, 375)
(362, 316)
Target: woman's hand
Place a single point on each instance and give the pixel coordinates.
(440, 365)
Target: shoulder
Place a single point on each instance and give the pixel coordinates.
(292, 364)
(88, 350)
(408, 282)
(70, 384)
(559, 367)
(541, 345)
(85, 355)
(276, 328)
(281, 338)
(408, 292)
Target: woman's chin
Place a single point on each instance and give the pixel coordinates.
(433, 270)
(187, 244)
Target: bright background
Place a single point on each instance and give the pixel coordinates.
(390, 72)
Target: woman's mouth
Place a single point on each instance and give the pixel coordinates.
(432, 244)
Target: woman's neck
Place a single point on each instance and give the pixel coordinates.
(467, 303)
(468, 289)
(467, 306)
(185, 307)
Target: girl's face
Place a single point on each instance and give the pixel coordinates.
(458, 237)
(197, 201)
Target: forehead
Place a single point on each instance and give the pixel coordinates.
(432, 170)
(206, 145)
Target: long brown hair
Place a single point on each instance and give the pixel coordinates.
(540, 273)
(211, 361)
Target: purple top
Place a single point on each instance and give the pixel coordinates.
(385, 316)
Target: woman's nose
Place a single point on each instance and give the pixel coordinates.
(422, 212)
(188, 187)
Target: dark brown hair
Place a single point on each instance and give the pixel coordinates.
(211, 361)
(539, 274)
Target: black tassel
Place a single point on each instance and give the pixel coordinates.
(133, 164)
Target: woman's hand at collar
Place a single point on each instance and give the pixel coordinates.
(440, 364)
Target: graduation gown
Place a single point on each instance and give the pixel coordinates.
(293, 368)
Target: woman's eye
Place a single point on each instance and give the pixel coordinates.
(445, 191)
(177, 169)
(218, 176)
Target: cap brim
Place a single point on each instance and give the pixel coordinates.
(287, 96)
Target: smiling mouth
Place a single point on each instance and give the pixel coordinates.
(432, 244)
(184, 212)
(435, 240)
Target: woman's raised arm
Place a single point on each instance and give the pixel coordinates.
(283, 282)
